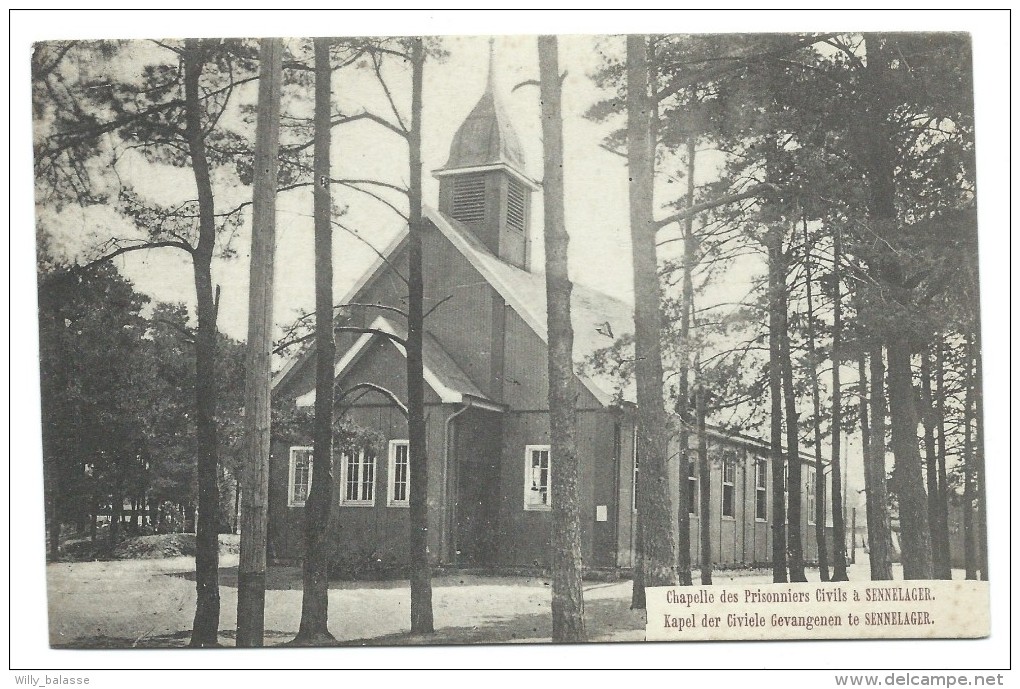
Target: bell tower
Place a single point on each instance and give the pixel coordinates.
(484, 184)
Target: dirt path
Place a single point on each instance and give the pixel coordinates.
(151, 603)
(146, 603)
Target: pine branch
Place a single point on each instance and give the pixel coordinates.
(742, 62)
(372, 387)
(715, 203)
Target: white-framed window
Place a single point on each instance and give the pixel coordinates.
(357, 476)
(812, 495)
(761, 473)
(399, 491)
(728, 484)
(537, 478)
(636, 462)
(692, 482)
(299, 480)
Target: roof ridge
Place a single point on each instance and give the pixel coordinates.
(480, 257)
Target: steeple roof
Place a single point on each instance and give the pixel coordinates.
(486, 137)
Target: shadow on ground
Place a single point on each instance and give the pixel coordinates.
(288, 578)
(175, 640)
(605, 619)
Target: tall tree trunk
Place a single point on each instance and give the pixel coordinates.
(205, 631)
(314, 627)
(969, 537)
(865, 424)
(637, 591)
(654, 508)
(979, 457)
(796, 543)
(879, 531)
(235, 526)
(567, 595)
(915, 536)
(705, 481)
(908, 482)
(773, 242)
(839, 572)
(54, 519)
(251, 570)
(943, 566)
(684, 507)
(823, 556)
(54, 362)
(931, 466)
(116, 507)
(421, 568)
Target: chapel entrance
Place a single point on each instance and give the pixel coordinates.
(476, 517)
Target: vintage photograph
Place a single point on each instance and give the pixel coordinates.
(483, 339)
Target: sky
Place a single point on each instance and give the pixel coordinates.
(600, 255)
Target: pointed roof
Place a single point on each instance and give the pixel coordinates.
(486, 138)
(442, 374)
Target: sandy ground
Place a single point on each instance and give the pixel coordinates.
(146, 603)
(151, 603)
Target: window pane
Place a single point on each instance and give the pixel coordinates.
(301, 475)
(537, 493)
(729, 471)
(367, 478)
(300, 481)
(400, 473)
(351, 485)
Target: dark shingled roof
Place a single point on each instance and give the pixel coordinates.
(590, 309)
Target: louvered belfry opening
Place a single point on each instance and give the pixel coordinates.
(469, 199)
(516, 205)
(495, 205)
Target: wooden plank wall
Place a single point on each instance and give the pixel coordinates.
(740, 540)
(525, 534)
(378, 530)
